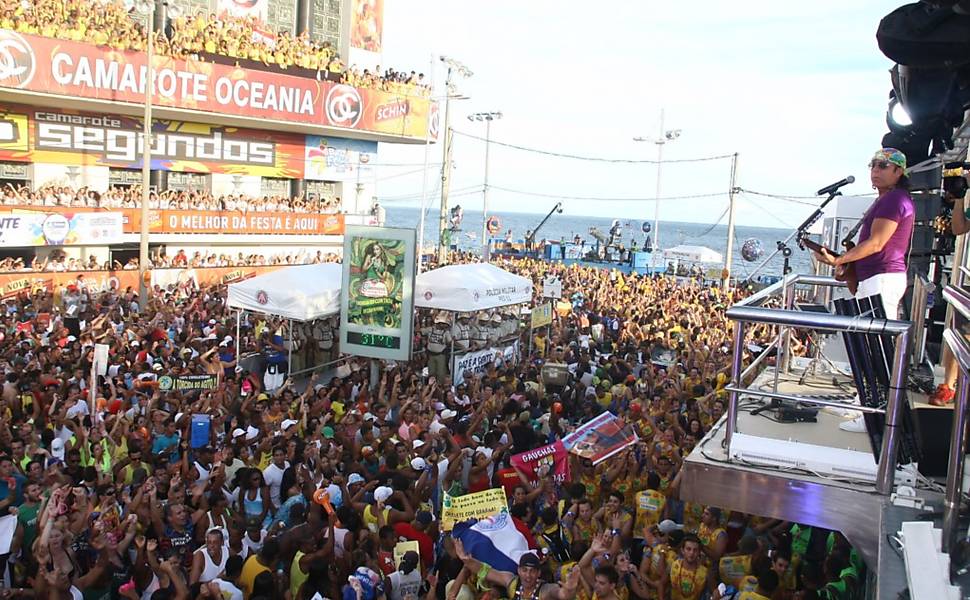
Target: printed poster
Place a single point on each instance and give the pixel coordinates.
(378, 276)
(478, 362)
(537, 464)
(28, 228)
(456, 509)
(600, 438)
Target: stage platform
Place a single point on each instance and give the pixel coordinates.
(807, 472)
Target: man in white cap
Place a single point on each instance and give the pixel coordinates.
(439, 342)
(494, 332)
(479, 332)
(461, 333)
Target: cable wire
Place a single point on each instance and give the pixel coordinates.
(602, 198)
(590, 158)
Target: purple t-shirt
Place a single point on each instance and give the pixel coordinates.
(896, 205)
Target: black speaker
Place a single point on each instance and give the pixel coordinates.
(555, 374)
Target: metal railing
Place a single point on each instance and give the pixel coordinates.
(750, 311)
(922, 288)
(959, 302)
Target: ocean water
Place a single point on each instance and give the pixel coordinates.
(567, 226)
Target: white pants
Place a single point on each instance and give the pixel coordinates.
(891, 286)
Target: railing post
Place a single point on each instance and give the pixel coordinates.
(954, 470)
(886, 473)
(732, 407)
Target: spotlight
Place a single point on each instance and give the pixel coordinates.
(896, 116)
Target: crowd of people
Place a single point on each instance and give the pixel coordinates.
(60, 262)
(184, 472)
(117, 197)
(109, 23)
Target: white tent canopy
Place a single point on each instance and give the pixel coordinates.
(300, 293)
(470, 287)
(693, 254)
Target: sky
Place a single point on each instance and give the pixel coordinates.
(797, 90)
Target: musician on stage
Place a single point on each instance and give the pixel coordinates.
(885, 236)
(959, 224)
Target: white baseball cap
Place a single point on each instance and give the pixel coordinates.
(418, 464)
(382, 493)
(287, 423)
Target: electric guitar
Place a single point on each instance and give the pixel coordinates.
(844, 272)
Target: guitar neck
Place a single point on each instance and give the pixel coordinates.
(815, 246)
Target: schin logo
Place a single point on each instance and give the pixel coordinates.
(17, 62)
(344, 106)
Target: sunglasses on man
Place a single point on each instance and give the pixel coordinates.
(880, 164)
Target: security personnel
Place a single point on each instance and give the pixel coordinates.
(479, 332)
(439, 342)
(323, 335)
(510, 324)
(462, 332)
(494, 333)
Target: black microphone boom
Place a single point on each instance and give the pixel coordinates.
(831, 188)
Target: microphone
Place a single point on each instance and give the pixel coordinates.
(835, 186)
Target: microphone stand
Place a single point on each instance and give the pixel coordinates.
(782, 246)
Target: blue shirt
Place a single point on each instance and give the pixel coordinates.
(164, 441)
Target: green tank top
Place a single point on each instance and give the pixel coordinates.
(297, 576)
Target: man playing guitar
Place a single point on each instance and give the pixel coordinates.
(884, 239)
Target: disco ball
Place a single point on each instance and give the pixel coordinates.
(752, 250)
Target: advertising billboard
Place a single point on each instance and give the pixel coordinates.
(99, 139)
(78, 70)
(246, 9)
(335, 159)
(377, 303)
(212, 221)
(367, 25)
(22, 229)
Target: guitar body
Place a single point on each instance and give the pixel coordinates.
(844, 273)
(847, 272)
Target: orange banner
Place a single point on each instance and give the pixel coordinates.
(211, 221)
(25, 282)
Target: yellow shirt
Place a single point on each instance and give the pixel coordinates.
(752, 596)
(370, 518)
(650, 506)
(687, 584)
(250, 571)
(732, 569)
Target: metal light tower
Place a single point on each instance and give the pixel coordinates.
(488, 117)
(454, 68)
(666, 135)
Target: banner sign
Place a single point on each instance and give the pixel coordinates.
(88, 139)
(542, 315)
(540, 463)
(378, 279)
(335, 159)
(600, 438)
(209, 221)
(21, 229)
(78, 70)
(184, 383)
(551, 287)
(26, 282)
(246, 9)
(477, 362)
(574, 251)
(367, 25)
(456, 509)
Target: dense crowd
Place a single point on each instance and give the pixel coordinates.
(130, 197)
(262, 486)
(109, 23)
(59, 262)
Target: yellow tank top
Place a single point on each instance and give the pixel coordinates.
(370, 518)
(692, 516)
(732, 569)
(708, 536)
(650, 505)
(686, 584)
(752, 596)
(748, 583)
